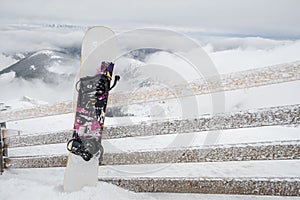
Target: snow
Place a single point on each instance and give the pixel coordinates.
(6, 61)
(7, 77)
(32, 184)
(25, 102)
(32, 67)
(257, 169)
(243, 99)
(261, 54)
(19, 184)
(45, 124)
(227, 137)
(262, 97)
(232, 55)
(245, 136)
(236, 100)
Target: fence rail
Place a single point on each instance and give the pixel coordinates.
(282, 115)
(242, 186)
(273, 116)
(288, 150)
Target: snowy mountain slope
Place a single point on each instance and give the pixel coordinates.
(46, 65)
(44, 75)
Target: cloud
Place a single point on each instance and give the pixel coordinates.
(213, 44)
(239, 59)
(7, 78)
(6, 61)
(23, 39)
(16, 88)
(251, 17)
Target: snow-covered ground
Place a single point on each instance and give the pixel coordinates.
(22, 181)
(36, 184)
(44, 124)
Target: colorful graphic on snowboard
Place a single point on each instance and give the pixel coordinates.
(90, 113)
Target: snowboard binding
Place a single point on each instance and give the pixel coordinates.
(86, 147)
(78, 148)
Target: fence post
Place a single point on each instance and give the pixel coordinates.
(2, 125)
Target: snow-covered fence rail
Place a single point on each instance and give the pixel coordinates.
(242, 186)
(282, 115)
(239, 80)
(217, 153)
(36, 139)
(288, 150)
(273, 116)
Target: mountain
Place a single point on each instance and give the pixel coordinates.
(142, 54)
(52, 66)
(57, 69)
(49, 66)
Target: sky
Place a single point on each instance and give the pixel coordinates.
(264, 18)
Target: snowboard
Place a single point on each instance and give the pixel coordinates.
(99, 49)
